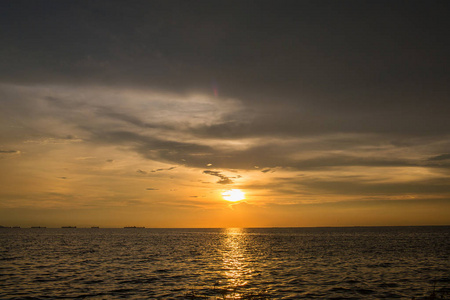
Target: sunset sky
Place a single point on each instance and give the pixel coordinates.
(323, 113)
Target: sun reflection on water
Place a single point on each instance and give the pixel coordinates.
(235, 265)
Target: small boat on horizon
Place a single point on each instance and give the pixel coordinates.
(68, 226)
(38, 227)
(128, 227)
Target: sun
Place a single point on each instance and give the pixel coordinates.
(233, 195)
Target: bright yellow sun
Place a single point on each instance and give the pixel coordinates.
(233, 195)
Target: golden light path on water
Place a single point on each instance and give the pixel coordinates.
(235, 264)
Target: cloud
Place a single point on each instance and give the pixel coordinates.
(127, 118)
(366, 187)
(154, 148)
(162, 169)
(300, 153)
(151, 124)
(341, 160)
(9, 152)
(444, 156)
(151, 189)
(304, 100)
(223, 179)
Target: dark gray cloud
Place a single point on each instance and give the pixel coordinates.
(154, 171)
(163, 169)
(320, 84)
(298, 68)
(269, 155)
(445, 156)
(376, 64)
(9, 151)
(223, 179)
(348, 160)
(99, 124)
(332, 100)
(365, 187)
(371, 202)
(102, 111)
(75, 106)
(296, 120)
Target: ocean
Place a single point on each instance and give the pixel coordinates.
(232, 263)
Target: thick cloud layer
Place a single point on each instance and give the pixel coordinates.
(305, 101)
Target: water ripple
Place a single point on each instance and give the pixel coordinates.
(302, 263)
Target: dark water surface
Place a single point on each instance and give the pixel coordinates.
(275, 263)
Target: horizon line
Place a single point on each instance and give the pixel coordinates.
(260, 227)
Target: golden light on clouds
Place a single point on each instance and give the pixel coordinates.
(233, 195)
(169, 132)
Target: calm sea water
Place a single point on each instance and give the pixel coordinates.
(275, 263)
